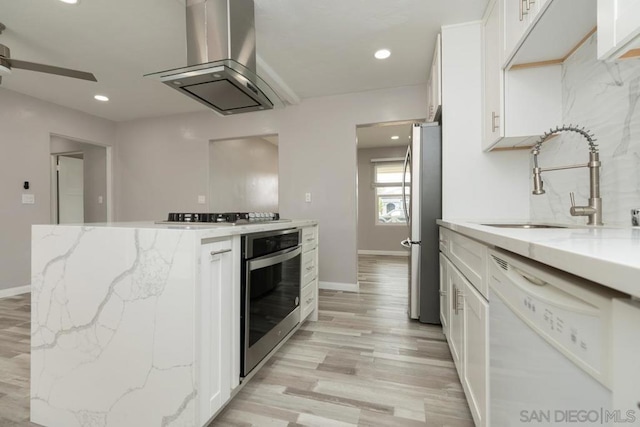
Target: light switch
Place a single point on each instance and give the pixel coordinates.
(307, 197)
(28, 199)
(100, 200)
(202, 200)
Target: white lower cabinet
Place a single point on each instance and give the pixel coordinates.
(456, 324)
(475, 379)
(217, 348)
(444, 295)
(309, 274)
(467, 322)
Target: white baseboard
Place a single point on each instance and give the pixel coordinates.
(337, 286)
(10, 292)
(390, 253)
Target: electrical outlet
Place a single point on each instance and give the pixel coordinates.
(307, 197)
(202, 200)
(100, 200)
(28, 199)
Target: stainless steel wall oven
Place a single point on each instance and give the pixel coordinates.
(270, 292)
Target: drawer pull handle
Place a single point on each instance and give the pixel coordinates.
(222, 251)
(310, 268)
(310, 239)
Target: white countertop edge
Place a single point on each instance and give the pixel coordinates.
(609, 256)
(203, 230)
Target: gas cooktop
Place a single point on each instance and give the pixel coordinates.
(230, 218)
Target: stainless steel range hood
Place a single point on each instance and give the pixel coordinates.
(221, 53)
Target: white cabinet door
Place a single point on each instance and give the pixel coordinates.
(516, 21)
(216, 320)
(444, 296)
(618, 29)
(626, 350)
(491, 123)
(476, 353)
(454, 289)
(521, 103)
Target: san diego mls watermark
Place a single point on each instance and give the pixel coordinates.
(600, 416)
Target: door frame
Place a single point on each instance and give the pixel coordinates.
(53, 216)
(55, 182)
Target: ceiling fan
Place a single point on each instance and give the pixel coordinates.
(7, 63)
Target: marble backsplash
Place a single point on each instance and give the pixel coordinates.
(602, 97)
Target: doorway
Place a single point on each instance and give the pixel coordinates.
(381, 222)
(70, 188)
(80, 181)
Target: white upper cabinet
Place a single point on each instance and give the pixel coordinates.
(491, 123)
(516, 21)
(434, 84)
(618, 29)
(549, 32)
(525, 44)
(519, 104)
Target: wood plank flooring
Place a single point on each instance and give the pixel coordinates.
(362, 364)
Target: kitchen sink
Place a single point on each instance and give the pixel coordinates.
(526, 225)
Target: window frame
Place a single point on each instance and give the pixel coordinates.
(375, 185)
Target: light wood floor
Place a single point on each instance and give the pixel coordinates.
(362, 364)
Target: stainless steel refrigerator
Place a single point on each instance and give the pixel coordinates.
(423, 167)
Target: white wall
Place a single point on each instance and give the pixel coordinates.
(243, 175)
(604, 97)
(163, 163)
(372, 236)
(26, 125)
(475, 185)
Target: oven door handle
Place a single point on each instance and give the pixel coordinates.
(273, 259)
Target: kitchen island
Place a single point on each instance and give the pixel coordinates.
(137, 324)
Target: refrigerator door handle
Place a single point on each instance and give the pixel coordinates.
(408, 242)
(407, 159)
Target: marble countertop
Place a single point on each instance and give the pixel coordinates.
(205, 230)
(606, 255)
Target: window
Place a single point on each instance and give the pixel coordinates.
(387, 181)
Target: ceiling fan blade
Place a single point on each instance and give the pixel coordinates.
(50, 69)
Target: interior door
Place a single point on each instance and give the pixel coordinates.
(70, 190)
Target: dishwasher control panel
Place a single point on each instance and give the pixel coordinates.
(578, 333)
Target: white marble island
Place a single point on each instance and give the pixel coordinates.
(121, 334)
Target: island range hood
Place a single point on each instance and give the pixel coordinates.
(221, 53)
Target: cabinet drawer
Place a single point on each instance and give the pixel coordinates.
(308, 300)
(309, 238)
(445, 237)
(309, 269)
(471, 259)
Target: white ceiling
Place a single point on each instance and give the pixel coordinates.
(380, 135)
(317, 47)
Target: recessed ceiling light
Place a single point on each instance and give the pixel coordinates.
(395, 137)
(382, 54)
(70, 1)
(101, 98)
(176, 82)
